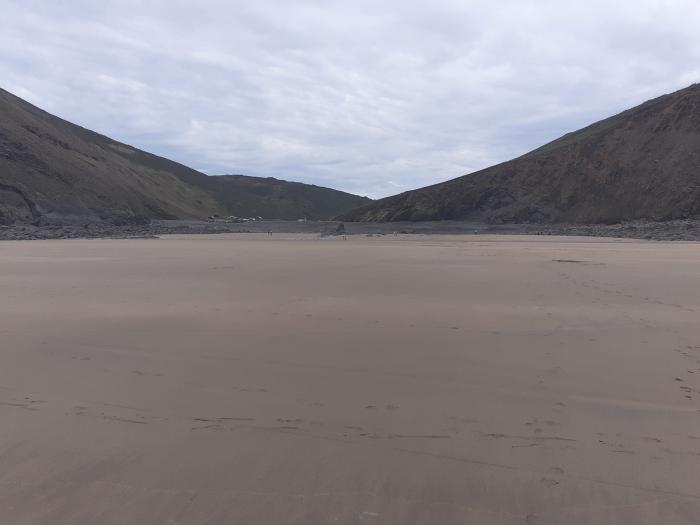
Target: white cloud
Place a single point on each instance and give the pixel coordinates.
(370, 97)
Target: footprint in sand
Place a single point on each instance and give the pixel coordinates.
(131, 416)
(688, 391)
(26, 403)
(222, 419)
(294, 421)
(212, 426)
(536, 421)
(549, 481)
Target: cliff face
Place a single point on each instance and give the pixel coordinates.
(642, 163)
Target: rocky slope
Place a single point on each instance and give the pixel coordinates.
(641, 164)
(52, 171)
(273, 198)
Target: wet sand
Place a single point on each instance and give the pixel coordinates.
(392, 380)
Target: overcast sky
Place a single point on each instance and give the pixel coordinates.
(373, 97)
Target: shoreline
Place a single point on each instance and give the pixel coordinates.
(677, 230)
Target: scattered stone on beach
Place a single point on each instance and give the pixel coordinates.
(676, 230)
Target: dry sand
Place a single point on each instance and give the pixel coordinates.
(409, 380)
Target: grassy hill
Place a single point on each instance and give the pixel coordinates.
(54, 171)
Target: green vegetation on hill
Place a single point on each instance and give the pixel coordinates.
(54, 171)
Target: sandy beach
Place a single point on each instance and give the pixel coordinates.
(401, 380)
